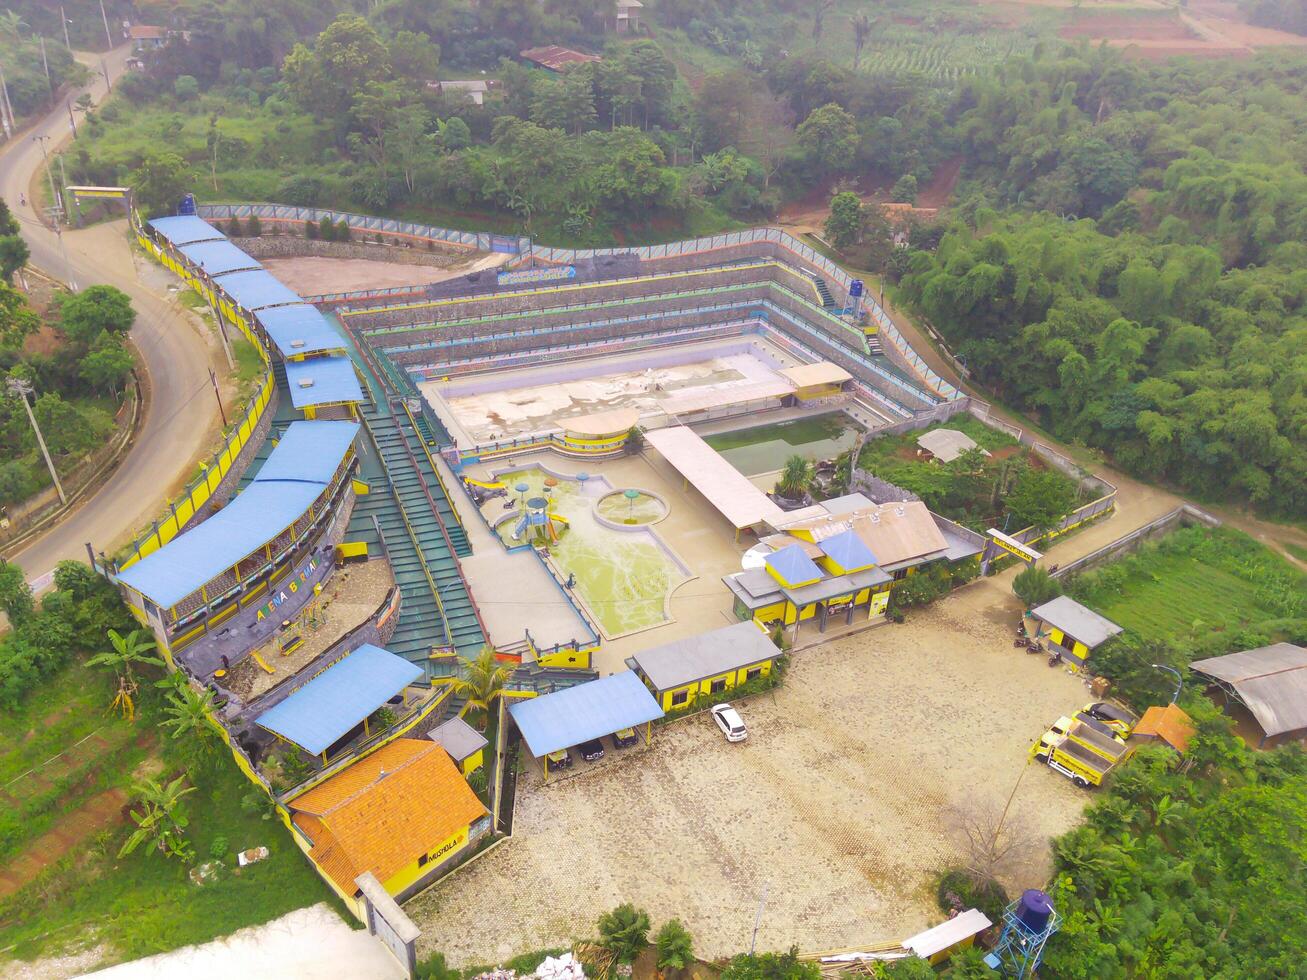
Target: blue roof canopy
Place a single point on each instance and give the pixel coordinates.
(323, 711)
(793, 565)
(309, 452)
(578, 714)
(219, 257)
(256, 289)
(282, 491)
(184, 229)
(848, 550)
(299, 329)
(322, 381)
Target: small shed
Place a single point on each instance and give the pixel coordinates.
(946, 445)
(1170, 725)
(465, 745)
(1271, 682)
(557, 58)
(940, 942)
(1075, 630)
(709, 663)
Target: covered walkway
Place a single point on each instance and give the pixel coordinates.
(725, 487)
(556, 722)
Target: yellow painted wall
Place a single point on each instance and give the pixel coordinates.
(473, 762)
(436, 856)
(352, 549)
(770, 613)
(705, 686)
(566, 657)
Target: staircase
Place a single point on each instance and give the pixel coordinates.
(823, 290)
(873, 345)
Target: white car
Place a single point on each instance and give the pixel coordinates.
(730, 722)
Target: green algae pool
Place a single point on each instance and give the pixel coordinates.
(622, 577)
(644, 509)
(764, 448)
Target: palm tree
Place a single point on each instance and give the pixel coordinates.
(160, 819)
(128, 651)
(795, 477)
(482, 680)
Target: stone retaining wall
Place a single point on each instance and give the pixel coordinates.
(291, 246)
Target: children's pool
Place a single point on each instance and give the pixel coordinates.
(764, 448)
(623, 577)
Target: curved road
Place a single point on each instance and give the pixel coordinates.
(181, 412)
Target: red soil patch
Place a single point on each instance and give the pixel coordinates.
(937, 193)
(97, 813)
(1124, 27)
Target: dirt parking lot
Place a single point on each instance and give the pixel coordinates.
(842, 803)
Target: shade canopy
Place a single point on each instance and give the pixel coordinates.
(256, 289)
(1270, 681)
(725, 487)
(584, 712)
(183, 229)
(299, 329)
(322, 381)
(324, 710)
(219, 257)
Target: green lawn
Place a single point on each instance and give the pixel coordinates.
(140, 904)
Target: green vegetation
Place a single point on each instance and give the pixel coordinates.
(24, 64)
(624, 931)
(1195, 593)
(1034, 586)
(675, 946)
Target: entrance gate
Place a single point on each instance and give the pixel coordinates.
(387, 921)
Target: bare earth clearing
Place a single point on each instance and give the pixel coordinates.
(315, 275)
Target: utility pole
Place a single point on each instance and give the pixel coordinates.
(105, 17)
(213, 380)
(104, 70)
(4, 107)
(63, 183)
(64, 20)
(22, 389)
(72, 120)
(54, 196)
(757, 917)
(222, 334)
(46, 62)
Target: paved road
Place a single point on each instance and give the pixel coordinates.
(181, 417)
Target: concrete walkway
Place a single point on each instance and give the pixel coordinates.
(308, 944)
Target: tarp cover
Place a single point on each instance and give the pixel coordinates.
(219, 257)
(578, 714)
(299, 329)
(256, 289)
(183, 229)
(321, 712)
(322, 381)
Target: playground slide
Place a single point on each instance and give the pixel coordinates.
(560, 519)
(484, 485)
(519, 528)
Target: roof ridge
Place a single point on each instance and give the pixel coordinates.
(416, 754)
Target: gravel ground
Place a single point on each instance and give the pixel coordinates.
(842, 803)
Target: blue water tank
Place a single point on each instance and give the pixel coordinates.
(187, 204)
(1034, 909)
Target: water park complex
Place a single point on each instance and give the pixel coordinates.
(568, 460)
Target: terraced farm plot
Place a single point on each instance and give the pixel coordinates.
(1173, 595)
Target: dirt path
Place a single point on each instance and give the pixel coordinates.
(97, 813)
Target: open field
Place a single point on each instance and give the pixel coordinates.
(841, 802)
(315, 275)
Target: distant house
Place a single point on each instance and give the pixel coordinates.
(627, 17)
(946, 445)
(1073, 630)
(555, 58)
(149, 37)
(475, 89)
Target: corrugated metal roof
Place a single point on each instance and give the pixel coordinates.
(322, 381)
(458, 738)
(695, 658)
(1070, 617)
(817, 373)
(1270, 681)
(285, 487)
(299, 329)
(946, 445)
(848, 551)
(725, 487)
(793, 565)
(219, 257)
(256, 289)
(584, 712)
(321, 712)
(185, 229)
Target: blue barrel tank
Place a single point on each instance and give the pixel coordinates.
(1034, 909)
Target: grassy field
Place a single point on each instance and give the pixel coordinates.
(1208, 590)
(65, 817)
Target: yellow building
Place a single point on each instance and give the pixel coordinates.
(705, 665)
(816, 382)
(599, 434)
(465, 745)
(405, 813)
(1072, 629)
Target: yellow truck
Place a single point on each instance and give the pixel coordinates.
(1083, 752)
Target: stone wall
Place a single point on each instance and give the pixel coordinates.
(289, 246)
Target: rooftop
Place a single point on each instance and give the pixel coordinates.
(895, 532)
(282, 491)
(458, 738)
(946, 445)
(1270, 681)
(383, 811)
(556, 58)
(185, 229)
(322, 381)
(607, 423)
(324, 710)
(1078, 621)
(695, 658)
(299, 329)
(818, 373)
(1171, 724)
(256, 289)
(725, 487)
(219, 257)
(848, 551)
(584, 712)
(792, 566)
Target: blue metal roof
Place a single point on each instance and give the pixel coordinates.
(256, 289)
(848, 550)
(322, 381)
(299, 329)
(578, 714)
(309, 452)
(219, 257)
(793, 565)
(323, 711)
(184, 229)
(290, 480)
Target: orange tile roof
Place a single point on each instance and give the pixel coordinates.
(1170, 724)
(384, 811)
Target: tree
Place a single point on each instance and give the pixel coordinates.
(187, 711)
(413, 57)
(675, 946)
(1040, 498)
(160, 180)
(107, 365)
(13, 255)
(66, 428)
(18, 320)
(453, 134)
(16, 482)
(624, 931)
(345, 57)
(84, 316)
(186, 87)
(795, 478)
(771, 966)
(861, 25)
(15, 594)
(125, 654)
(829, 137)
(721, 108)
(904, 190)
(482, 680)
(844, 223)
(1034, 586)
(160, 818)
